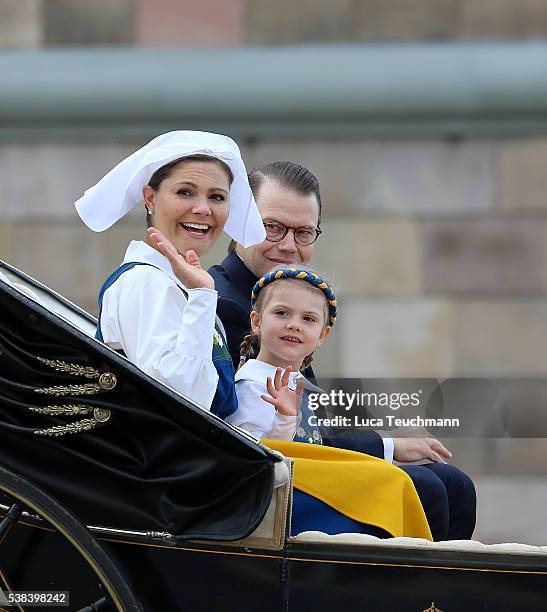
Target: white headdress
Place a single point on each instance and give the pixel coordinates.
(119, 190)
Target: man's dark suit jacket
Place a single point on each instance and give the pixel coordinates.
(234, 282)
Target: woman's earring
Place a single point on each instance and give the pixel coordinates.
(149, 211)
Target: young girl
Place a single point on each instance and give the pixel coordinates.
(290, 318)
(335, 491)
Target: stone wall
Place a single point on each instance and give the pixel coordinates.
(438, 247)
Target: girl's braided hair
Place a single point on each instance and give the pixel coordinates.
(246, 350)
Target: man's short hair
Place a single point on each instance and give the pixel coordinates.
(288, 175)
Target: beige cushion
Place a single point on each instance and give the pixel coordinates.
(419, 544)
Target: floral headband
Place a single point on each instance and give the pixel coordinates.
(299, 274)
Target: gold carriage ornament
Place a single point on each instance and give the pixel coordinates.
(103, 382)
(432, 608)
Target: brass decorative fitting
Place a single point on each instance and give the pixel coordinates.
(107, 381)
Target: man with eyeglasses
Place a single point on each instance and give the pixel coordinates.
(289, 201)
(288, 198)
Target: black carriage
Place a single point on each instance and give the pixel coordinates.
(181, 510)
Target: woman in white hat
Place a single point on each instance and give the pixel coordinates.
(194, 185)
(159, 306)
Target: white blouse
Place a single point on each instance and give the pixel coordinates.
(260, 418)
(253, 414)
(146, 314)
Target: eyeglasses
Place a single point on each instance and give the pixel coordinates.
(304, 236)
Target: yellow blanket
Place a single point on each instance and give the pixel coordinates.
(366, 489)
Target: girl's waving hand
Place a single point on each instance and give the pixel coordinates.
(285, 400)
